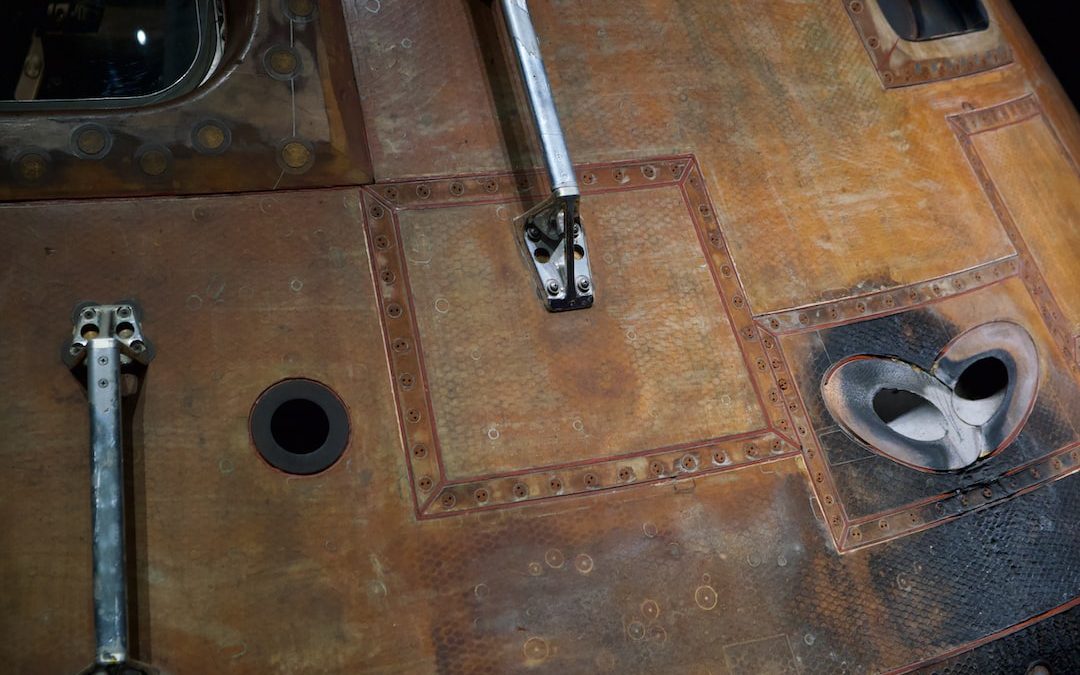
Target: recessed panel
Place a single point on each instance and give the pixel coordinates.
(652, 364)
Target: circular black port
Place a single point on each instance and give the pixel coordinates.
(300, 426)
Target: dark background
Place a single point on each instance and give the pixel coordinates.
(1053, 24)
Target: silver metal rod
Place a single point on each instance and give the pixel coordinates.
(556, 156)
(107, 493)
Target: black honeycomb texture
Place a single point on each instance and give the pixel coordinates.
(869, 483)
(1053, 643)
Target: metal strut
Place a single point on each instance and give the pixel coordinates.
(552, 232)
(107, 339)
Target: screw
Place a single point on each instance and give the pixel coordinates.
(89, 314)
(103, 383)
(553, 287)
(583, 284)
(577, 229)
(137, 346)
(124, 311)
(533, 233)
(75, 348)
(103, 360)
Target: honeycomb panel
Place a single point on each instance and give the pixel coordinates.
(878, 494)
(1035, 185)
(502, 401)
(653, 364)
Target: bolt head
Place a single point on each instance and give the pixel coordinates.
(552, 287)
(103, 360)
(89, 314)
(583, 284)
(124, 311)
(103, 383)
(533, 233)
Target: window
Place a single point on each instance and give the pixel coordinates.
(931, 19)
(95, 53)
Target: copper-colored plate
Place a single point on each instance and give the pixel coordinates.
(501, 402)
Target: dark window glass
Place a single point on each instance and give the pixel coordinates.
(931, 19)
(103, 49)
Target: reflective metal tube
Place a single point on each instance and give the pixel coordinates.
(107, 494)
(556, 156)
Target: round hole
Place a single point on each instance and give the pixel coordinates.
(542, 255)
(980, 390)
(299, 426)
(579, 252)
(909, 414)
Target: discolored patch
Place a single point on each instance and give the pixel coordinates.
(664, 377)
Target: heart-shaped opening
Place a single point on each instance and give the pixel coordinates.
(980, 390)
(909, 414)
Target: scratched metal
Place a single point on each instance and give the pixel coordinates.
(240, 568)
(824, 186)
(1034, 184)
(829, 185)
(655, 364)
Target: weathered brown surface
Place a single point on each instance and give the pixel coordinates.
(794, 201)
(257, 114)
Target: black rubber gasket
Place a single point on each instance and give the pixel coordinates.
(268, 448)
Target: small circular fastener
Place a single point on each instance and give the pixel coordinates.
(211, 137)
(299, 11)
(31, 165)
(153, 160)
(553, 287)
(295, 155)
(583, 284)
(91, 141)
(282, 62)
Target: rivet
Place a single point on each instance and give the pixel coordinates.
(211, 137)
(32, 165)
(300, 11)
(153, 160)
(91, 141)
(282, 62)
(295, 155)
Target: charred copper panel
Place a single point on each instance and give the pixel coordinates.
(232, 309)
(502, 402)
(902, 63)
(281, 111)
(827, 186)
(873, 498)
(239, 568)
(1033, 184)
